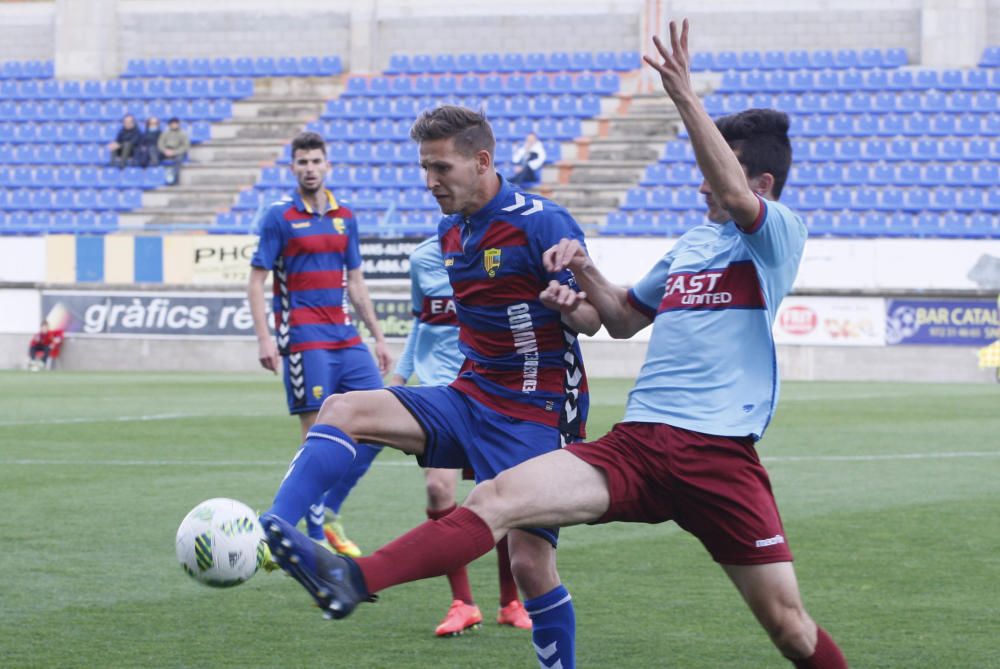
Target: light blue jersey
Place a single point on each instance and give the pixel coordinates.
(711, 364)
(432, 346)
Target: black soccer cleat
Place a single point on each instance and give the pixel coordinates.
(334, 581)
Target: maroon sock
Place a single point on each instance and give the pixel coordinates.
(508, 587)
(826, 655)
(459, 578)
(435, 548)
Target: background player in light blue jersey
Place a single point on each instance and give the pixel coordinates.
(686, 448)
(432, 352)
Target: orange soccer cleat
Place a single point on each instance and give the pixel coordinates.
(514, 614)
(460, 617)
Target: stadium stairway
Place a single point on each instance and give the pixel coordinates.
(598, 168)
(217, 170)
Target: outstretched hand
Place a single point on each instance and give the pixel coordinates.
(568, 253)
(675, 70)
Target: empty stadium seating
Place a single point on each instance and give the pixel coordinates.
(879, 149)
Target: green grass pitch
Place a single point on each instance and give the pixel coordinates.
(890, 495)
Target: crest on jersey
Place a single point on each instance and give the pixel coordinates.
(338, 225)
(318, 392)
(491, 261)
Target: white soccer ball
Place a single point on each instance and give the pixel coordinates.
(220, 543)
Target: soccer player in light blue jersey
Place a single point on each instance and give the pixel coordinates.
(432, 352)
(686, 448)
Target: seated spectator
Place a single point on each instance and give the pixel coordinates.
(528, 160)
(44, 348)
(174, 145)
(147, 152)
(125, 142)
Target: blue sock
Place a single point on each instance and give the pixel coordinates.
(336, 495)
(553, 630)
(325, 456)
(314, 520)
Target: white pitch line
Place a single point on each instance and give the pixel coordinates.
(887, 456)
(178, 463)
(123, 419)
(412, 463)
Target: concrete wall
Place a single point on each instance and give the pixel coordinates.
(603, 359)
(365, 32)
(27, 30)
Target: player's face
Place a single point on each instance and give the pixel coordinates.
(453, 178)
(310, 167)
(717, 214)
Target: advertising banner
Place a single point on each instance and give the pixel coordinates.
(225, 259)
(944, 322)
(155, 314)
(831, 321)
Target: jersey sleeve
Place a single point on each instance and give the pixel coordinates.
(352, 254)
(271, 240)
(777, 237)
(646, 295)
(560, 225)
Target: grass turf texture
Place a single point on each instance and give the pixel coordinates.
(889, 494)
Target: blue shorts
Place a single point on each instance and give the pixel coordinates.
(462, 432)
(312, 376)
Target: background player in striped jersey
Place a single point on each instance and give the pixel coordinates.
(521, 392)
(685, 450)
(432, 352)
(310, 242)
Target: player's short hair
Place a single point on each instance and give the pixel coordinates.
(760, 138)
(471, 130)
(307, 141)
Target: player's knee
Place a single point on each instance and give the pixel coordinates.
(440, 493)
(340, 411)
(793, 633)
(486, 502)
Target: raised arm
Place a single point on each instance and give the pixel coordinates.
(716, 159)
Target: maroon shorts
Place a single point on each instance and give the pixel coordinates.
(713, 487)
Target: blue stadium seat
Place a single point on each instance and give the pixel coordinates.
(512, 62)
(895, 57)
(265, 66)
(773, 60)
(330, 66)
(581, 60)
(900, 80)
(443, 62)
(726, 60)
(749, 60)
(398, 64)
(991, 57)
(558, 61)
(489, 62)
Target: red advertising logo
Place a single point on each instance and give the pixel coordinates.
(798, 320)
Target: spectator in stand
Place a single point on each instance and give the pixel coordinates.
(528, 161)
(147, 153)
(174, 145)
(125, 143)
(44, 348)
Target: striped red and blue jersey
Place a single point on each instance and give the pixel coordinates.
(310, 253)
(521, 359)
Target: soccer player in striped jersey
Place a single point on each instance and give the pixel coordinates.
(309, 241)
(521, 392)
(686, 448)
(432, 352)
